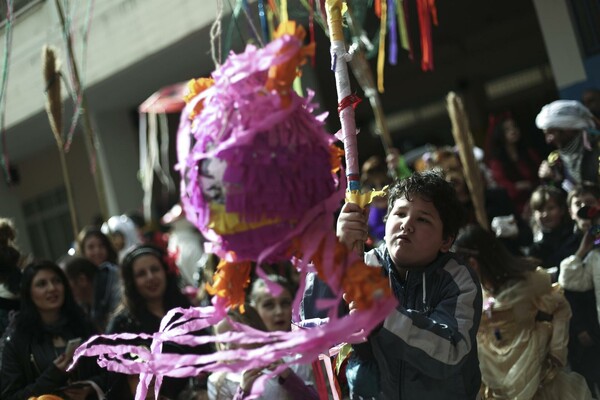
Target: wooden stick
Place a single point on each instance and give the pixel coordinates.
(54, 111)
(464, 141)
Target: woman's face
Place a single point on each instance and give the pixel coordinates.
(550, 216)
(95, 250)
(149, 277)
(512, 134)
(276, 312)
(47, 291)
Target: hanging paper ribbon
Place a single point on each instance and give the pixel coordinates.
(311, 26)
(391, 11)
(283, 12)
(426, 10)
(378, 8)
(263, 21)
(403, 26)
(381, 54)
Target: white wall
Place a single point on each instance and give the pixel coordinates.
(123, 32)
(561, 42)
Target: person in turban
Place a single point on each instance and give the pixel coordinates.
(565, 124)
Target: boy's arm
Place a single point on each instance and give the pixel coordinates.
(436, 344)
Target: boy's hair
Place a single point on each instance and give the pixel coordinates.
(431, 186)
(583, 189)
(80, 266)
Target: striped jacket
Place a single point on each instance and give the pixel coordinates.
(427, 349)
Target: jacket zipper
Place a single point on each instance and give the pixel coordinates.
(405, 295)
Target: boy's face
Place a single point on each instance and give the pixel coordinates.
(577, 202)
(414, 233)
(82, 288)
(550, 216)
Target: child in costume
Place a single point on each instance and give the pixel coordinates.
(524, 330)
(426, 346)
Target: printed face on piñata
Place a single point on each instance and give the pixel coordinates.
(211, 180)
(257, 160)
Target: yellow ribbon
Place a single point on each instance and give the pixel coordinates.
(364, 199)
(381, 55)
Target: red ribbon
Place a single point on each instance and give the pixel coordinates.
(350, 100)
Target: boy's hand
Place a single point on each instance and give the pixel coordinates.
(352, 227)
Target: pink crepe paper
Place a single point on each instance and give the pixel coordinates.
(277, 164)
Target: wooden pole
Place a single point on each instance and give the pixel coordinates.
(54, 111)
(464, 141)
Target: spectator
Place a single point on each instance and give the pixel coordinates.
(34, 360)
(10, 274)
(564, 123)
(97, 302)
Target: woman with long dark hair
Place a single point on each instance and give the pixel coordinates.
(513, 164)
(150, 290)
(524, 331)
(34, 361)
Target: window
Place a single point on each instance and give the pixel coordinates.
(49, 224)
(586, 15)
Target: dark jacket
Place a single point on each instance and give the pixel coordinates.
(125, 321)
(555, 246)
(107, 294)
(427, 347)
(28, 368)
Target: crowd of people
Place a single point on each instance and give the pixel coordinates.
(509, 310)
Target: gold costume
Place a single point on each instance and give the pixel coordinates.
(522, 343)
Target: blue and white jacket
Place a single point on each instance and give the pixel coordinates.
(426, 348)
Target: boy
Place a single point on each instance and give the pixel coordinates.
(89, 285)
(426, 348)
